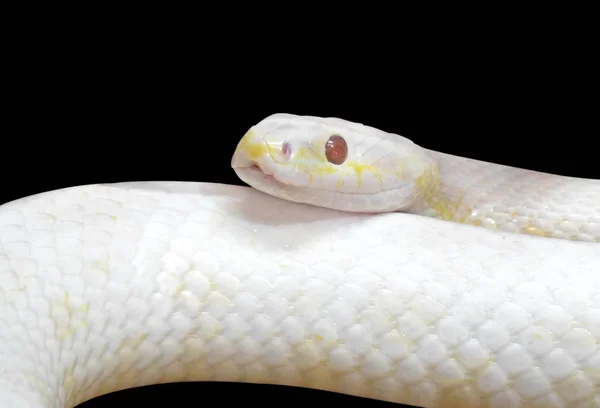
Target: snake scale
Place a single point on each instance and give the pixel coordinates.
(355, 262)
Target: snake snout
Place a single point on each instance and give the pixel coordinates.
(240, 160)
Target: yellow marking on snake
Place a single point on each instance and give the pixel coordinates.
(339, 183)
(304, 153)
(252, 150)
(533, 230)
(67, 316)
(444, 208)
(359, 168)
(318, 169)
(324, 168)
(428, 185)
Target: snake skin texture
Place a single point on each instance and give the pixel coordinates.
(518, 200)
(107, 287)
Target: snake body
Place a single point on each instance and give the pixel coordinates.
(107, 287)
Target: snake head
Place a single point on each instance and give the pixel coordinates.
(332, 163)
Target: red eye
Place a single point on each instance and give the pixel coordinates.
(336, 150)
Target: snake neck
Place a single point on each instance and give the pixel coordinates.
(505, 198)
(437, 198)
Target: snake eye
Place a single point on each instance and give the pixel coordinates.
(336, 150)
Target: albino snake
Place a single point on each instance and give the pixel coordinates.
(493, 300)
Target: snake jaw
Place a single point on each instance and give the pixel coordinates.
(264, 173)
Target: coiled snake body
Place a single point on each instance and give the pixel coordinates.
(430, 280)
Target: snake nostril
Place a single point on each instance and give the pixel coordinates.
(286, 149)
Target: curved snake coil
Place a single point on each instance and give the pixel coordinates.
(430, 280)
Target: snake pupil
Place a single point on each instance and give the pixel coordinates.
(336, 150)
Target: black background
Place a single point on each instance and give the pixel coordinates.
(156, 105)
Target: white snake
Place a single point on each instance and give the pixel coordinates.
(106, 287)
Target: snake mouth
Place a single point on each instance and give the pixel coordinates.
(256, 176)
(258, 171)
